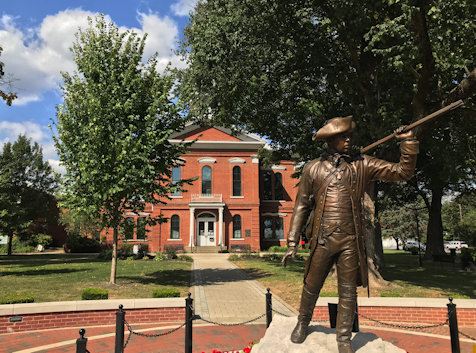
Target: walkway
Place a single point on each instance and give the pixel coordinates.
(223, 294)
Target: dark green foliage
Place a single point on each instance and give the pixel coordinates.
(414, 250)
(166, 293)
(105, 255)
(94, 294)
(14, 298)
(79, 244)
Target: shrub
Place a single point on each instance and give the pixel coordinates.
(94, 294)
(159, 257)
(171, 253)
(278, 248)
(233, 257)
(185, 258)
(166, 293)
(145, 258)
(131, 258)
(105, 255)
(414, 250)
(79, 244)
(42, 239)
(14, 298)
(127, 249)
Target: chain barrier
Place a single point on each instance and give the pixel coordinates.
(240, 323)
(404, 326)
(277, 312)
(132, 332)
(467, 336)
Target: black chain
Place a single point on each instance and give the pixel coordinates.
(403, 326)
(465, 335)
(277, 312)
(131, 332)
(241, 323)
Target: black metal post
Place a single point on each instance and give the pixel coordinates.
(453, 323)
(269, 309)
(188, 323)
(81, 342)
(120, 316)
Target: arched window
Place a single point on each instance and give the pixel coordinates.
(141, 228)
(129, 228)
(175, 227)
(176, 176)
(236, 226)
(268, 193)
(278, 186)
(236, 181)
(206, 180)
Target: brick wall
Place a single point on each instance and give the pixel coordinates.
(42, 321)
(428, 316)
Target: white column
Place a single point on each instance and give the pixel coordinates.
(220, 226)
(192, 219)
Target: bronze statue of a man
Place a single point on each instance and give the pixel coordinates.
(329, 198)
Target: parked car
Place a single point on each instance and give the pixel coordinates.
(414, 244)
(455, 244)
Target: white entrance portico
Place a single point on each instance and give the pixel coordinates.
(203, 223)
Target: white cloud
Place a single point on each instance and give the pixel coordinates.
(183, 7)
(9, 132)
(36, 56)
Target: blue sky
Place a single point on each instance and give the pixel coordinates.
(35, 36)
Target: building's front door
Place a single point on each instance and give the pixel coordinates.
(206, 232)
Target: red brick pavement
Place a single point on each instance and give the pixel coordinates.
(206, 339)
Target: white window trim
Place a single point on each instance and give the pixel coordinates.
(174, 239)
(237, 160)
(176, 197)
(238, 239)
(207, 160)
(274, 214)
(237, 197)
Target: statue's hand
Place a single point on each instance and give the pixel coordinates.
(290, 253)
(400, 136)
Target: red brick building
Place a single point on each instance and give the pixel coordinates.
(234, 203)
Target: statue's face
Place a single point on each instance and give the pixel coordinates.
(341, 143)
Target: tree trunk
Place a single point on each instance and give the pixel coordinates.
(434, 240)
(373, 238)
(10, 244)
(396, 240)
(114, 256)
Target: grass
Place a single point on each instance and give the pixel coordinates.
(62, 277)
(405, 279)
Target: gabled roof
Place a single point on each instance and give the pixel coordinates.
(217, 138)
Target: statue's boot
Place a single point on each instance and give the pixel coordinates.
(345, 321)
(308, 303)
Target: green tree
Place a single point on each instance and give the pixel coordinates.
(459, 218)
(8, 97)
(113, 129)
(27, 187)
(281, 68)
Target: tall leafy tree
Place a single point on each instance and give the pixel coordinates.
(6, 82)
(281, 68)
(459, 218)
(113, 129)
(27, 188)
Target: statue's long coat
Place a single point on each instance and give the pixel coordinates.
(358, 172)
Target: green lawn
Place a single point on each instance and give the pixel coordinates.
(63, 276)
(405, 279)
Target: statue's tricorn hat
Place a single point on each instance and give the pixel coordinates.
(334, 127)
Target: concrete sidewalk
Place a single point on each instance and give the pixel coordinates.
(223, 293)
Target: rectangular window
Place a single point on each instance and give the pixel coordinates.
(236, 181)
(279, 228)
(236, 226)
(268, 228)
(267, 190)
(129, 228)
(176, 176)
(175, 227)
(278, 186)
(141, 228)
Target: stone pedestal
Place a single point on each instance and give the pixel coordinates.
(319, 339)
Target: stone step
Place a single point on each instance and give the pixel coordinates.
(204, 249)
